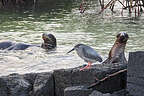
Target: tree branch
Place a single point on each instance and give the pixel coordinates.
(106, 78)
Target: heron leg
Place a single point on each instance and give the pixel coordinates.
(86, 67)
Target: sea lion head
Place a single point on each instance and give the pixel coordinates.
(122, 37)
(49, 39)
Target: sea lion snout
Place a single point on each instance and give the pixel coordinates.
(122, 37)
(48, 37)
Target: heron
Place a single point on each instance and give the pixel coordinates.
(87, 53)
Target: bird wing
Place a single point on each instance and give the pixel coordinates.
(89, 52)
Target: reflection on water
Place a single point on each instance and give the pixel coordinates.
(70, 28)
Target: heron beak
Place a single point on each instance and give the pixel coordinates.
(70, 50)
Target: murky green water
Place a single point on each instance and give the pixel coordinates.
(70, 28)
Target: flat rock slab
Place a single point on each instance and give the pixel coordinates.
(77, 91)
(135, 73)
(122, 92)
(117, 93)
(97, 93)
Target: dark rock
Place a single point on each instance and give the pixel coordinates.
(3, 88)
(30, 77)
(43, 85)
(135, 64)
(135, 73)
(120, 93)
(117, 93)
(112, 84)
(33, 84)
(15, 85)
(77, 91)
(135, 90)
(74, 77)
(97, 93)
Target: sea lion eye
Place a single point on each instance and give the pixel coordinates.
(118, 35)
(126, 35)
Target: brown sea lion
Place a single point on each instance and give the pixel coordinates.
(50, 41)
(116, 53)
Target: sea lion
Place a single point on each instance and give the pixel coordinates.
(19, 46)
(49, 43)
(116, 53)
(5, 44)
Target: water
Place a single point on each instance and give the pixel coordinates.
(70, 28)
